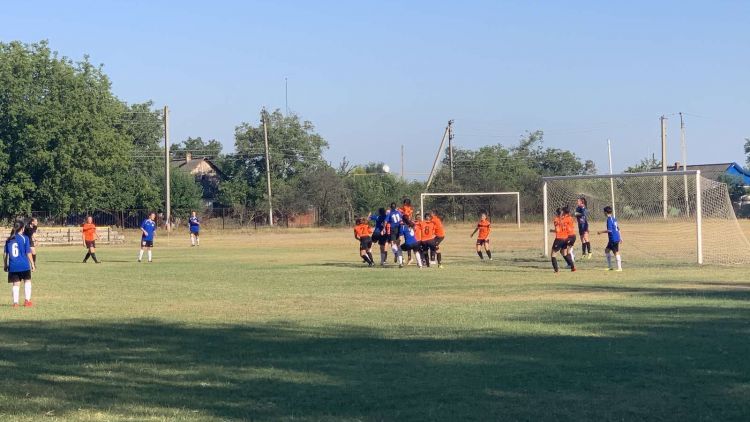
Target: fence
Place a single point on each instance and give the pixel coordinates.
(214, 218)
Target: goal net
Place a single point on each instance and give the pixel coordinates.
(462, 206)
(664, 217)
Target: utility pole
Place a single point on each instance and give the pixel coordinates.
(450, 147)
(683, 147)
(434, 163)
(665, 192)
(403, 175)
(167, 187)
(268, 167)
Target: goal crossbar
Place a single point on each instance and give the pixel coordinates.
(516, 194)
(623, 175)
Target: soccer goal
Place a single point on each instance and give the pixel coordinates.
(676, 216)
(500, 208)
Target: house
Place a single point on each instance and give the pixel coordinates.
(206, 173)
(715, 171)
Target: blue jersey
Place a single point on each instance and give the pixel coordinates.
(17, 250)
(582, 215)
(394, 220)
(195, 224)
(613, 229)
(149, 226)
(408, 233)
(379, 222)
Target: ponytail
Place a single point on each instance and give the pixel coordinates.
(17, 227)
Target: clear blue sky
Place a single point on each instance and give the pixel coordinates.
(374, 75)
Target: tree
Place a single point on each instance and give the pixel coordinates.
(645, 165)
(186, 195)
(197, 147)
(747, 151)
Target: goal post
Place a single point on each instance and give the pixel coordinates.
(692, 220)
(516, 195)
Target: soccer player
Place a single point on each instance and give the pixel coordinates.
(148, 230)
(18, 262)
(483, 240)
(560, 244)
(379, 233)
(570, 225)
(30, 232)
(395, 219)
(90, 236)
(363, 233)
(428, 239)
(195, 229)
(613, 233)
(439, 235)
(407, 212)
(582, 216)
(411, 242)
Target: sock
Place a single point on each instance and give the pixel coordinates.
(33, 258)
(609, 260)
(395, 250)
(140, 254)
(385, 256)
(619, 261)
(192, 240)
(197, 241)
(419, 259)
(569, 261)
(588, 247)
(93, 255)
(408, 254)
(86, 258)
(369, 255)
(489, 254)
(572, 255)
(149, 256)
(480, 254)
(439, 258)
(554, 264)
(16, 290)
(27, 290)
(400, 259)
(366, 259)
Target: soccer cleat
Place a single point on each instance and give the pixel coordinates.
(609, 269)
(15, 305)
(139, 260)
(619, 270)
(573, 269)
(440, 265)
(401, 265)
(27, 304)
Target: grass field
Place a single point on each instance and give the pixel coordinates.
(289, 326)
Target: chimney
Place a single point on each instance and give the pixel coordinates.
(188, 157)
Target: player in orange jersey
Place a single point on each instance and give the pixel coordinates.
(570, 224)
(560, 244)
(428, 239)
(88, 229)
(439, 235)
(363, 233)
(483, 240)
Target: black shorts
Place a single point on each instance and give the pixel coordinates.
(439, 240)
(613, 246)
(571, 240)
(147, 243)
(381, 239)
(559, 244)
(19, 276)
(481, 242)
(583, 228)
(411, 247)
(429, 245)
(394, 235)
(195, 233)
(365, 243)
(91, 243)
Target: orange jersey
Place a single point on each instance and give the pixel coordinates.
(362, 230)
(418, 230)
(89, 232)
(484, 229)
(570, 225)
(428, 231)
(439, 229)
(561, 228)
(407, 211)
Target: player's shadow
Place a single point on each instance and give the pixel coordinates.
(339, 264)
(580, 362)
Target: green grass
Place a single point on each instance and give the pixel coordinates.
(289, 326)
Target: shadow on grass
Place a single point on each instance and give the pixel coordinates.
(665, 364)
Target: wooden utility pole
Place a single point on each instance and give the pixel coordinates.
(665, 190)
(683, 147)
(167, 187)
(434, 163)
(450, 147)
(268, 167)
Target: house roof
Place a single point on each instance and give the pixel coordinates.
(713, 171)
(190, 166)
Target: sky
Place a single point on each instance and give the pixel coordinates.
(375, 75)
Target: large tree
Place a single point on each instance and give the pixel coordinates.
(197, 147)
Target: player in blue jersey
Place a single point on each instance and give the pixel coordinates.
(613, 233)
(582, 217)
(379, 234)
(411, 243)
(18, 262)
(148, 230)
(195, 229)
(395, 220)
